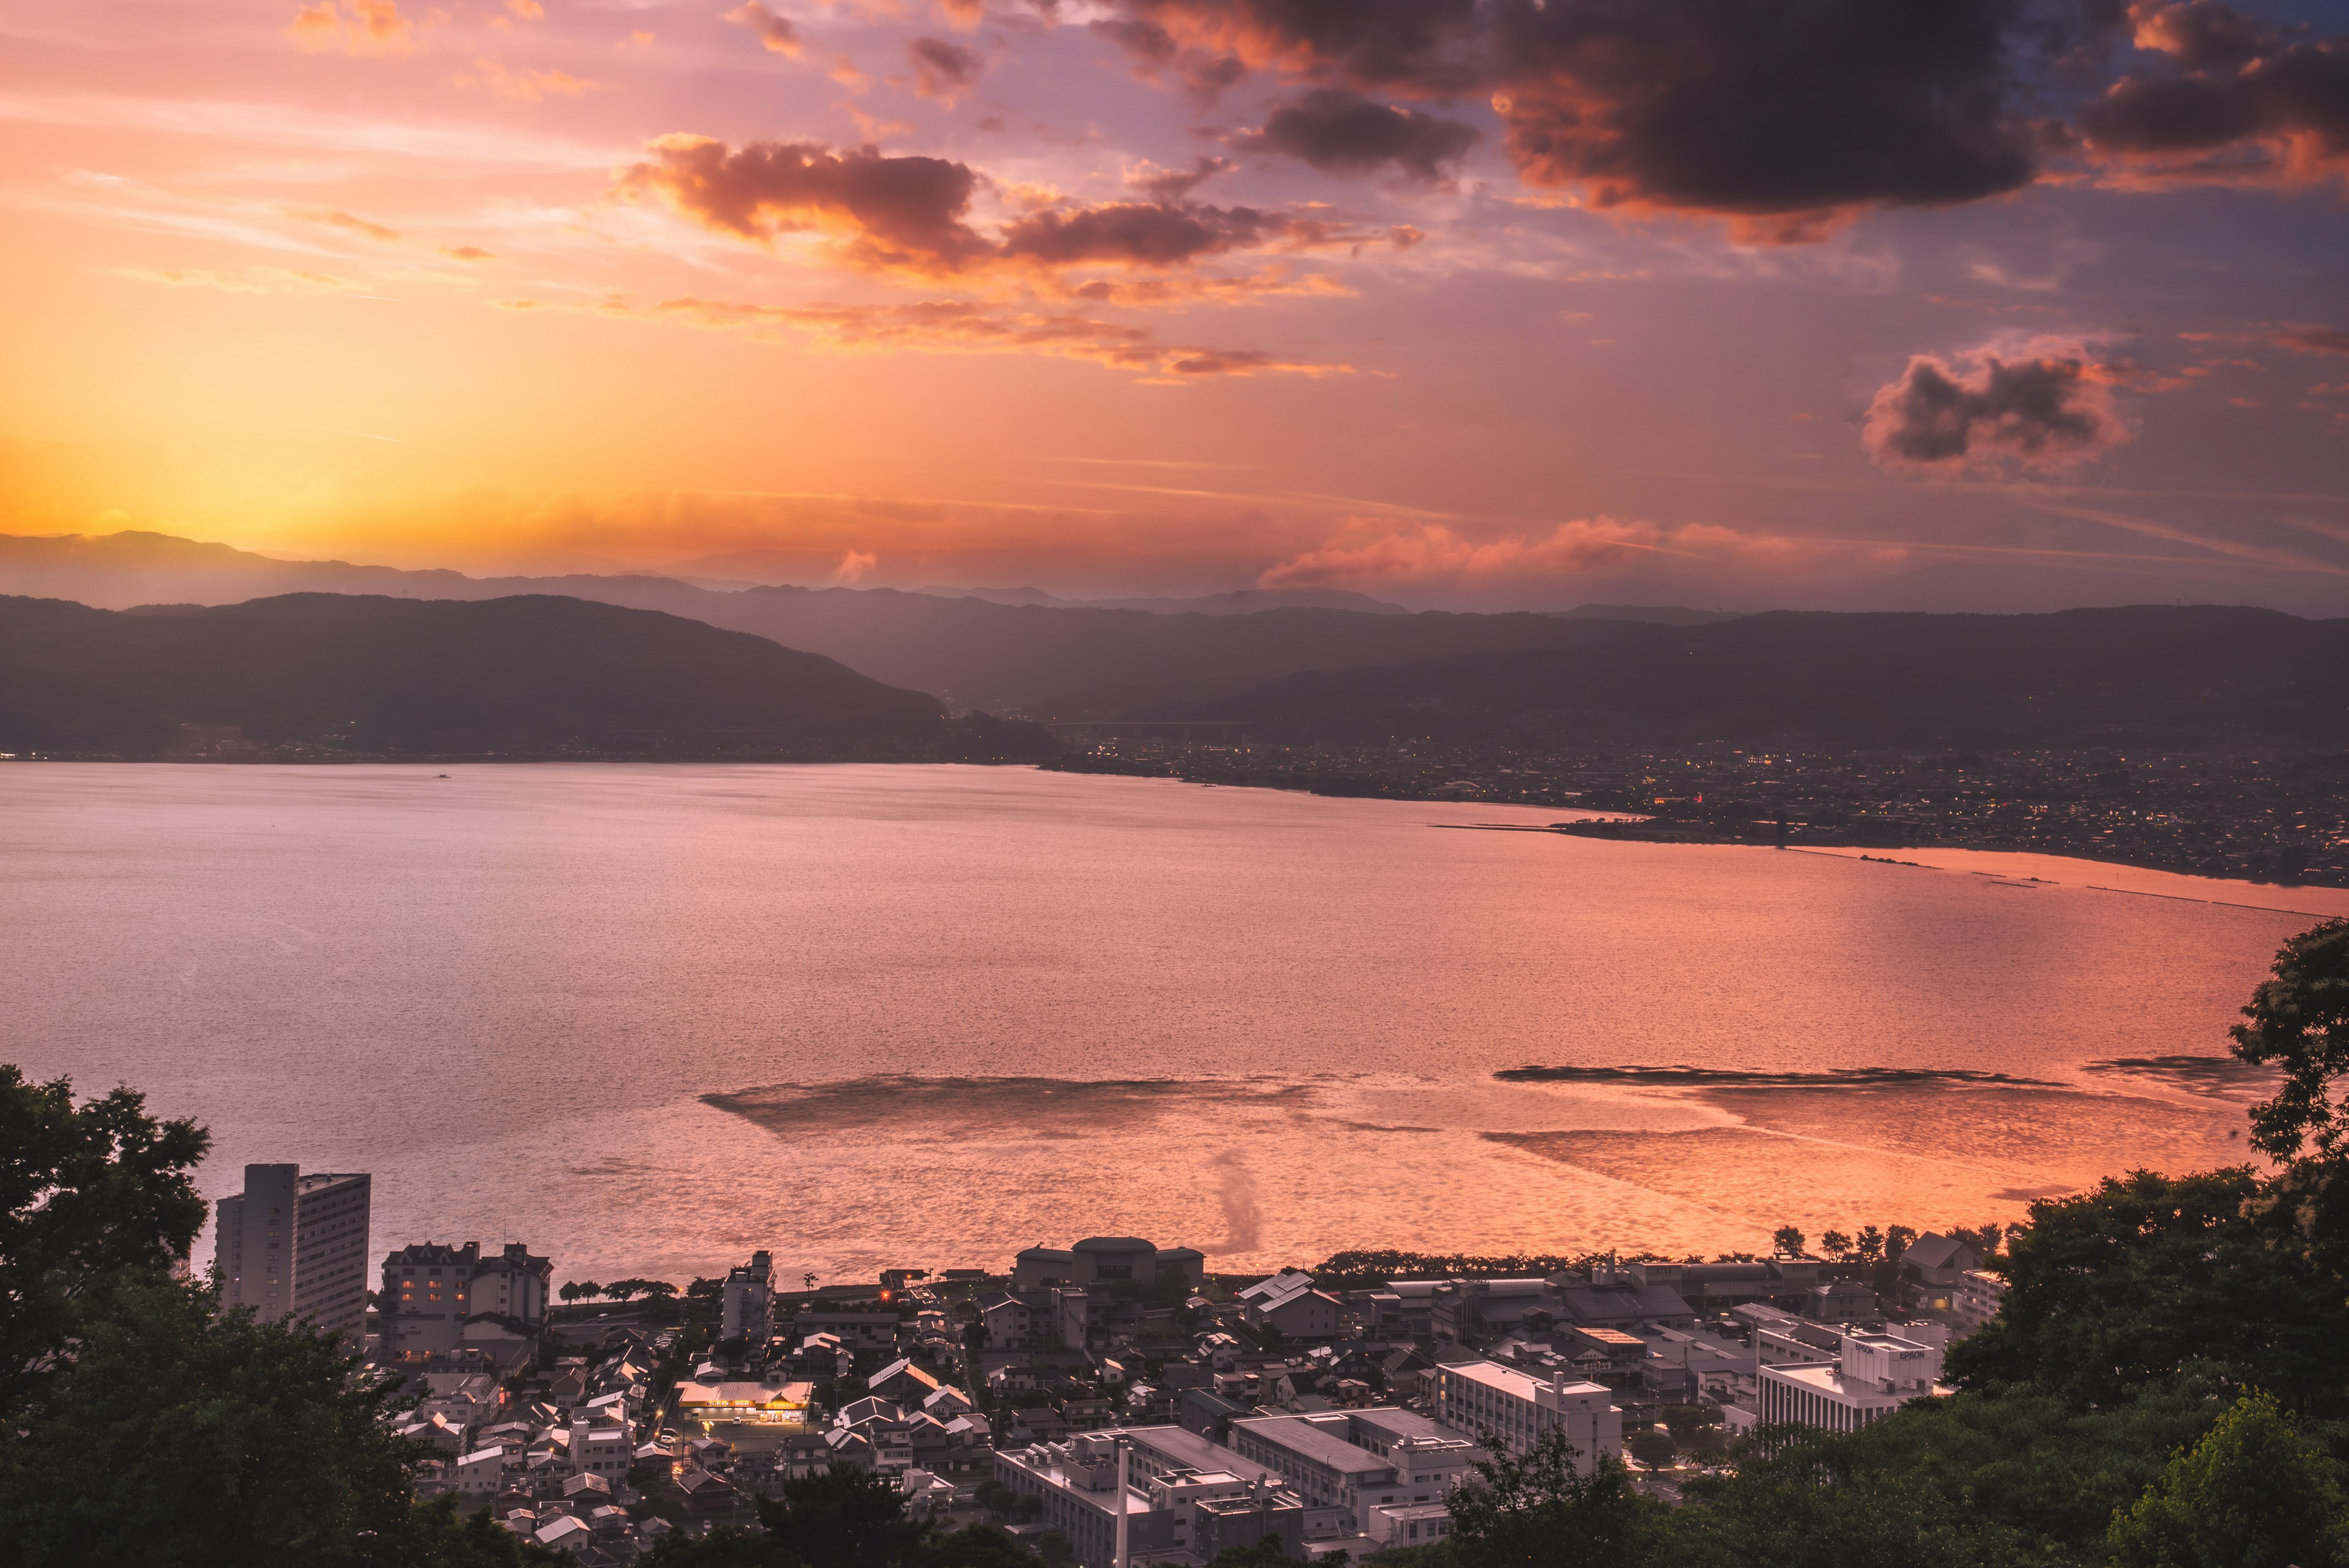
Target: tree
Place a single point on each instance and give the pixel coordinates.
(1263, 1553)
(89, 1196)
(2299, 1021)
(705, 1290)
(1538, 1510)
(439, 1537)
(179, 1435)
(1787, 1241)
(843, 1518)
(1690, 1421)
(2145, 1280)
(1837, 1244)
(1817, 1500)
(657, 1291)
(1868, 1244)
(2253, 1493)
(1651, 1447)
(976, 1546)
(807, 1281)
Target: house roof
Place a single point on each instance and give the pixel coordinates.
(1315, 1441)
(1932, 1250)
(1594, 1304)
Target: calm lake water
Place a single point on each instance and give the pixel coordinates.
(647, 1018)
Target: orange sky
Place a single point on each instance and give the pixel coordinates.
(1166, 294)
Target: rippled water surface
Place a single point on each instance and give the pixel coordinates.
(649, 1018)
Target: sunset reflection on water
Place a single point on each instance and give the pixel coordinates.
(647, 1019)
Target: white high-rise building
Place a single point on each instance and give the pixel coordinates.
(292, 1245)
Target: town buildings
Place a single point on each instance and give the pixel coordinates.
(1872, 1375)
(432, 1293)
(1108, 1260)
(1514, 1410)
(291, 1245)
(746, 1300)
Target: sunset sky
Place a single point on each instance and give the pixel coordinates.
(1472, 303)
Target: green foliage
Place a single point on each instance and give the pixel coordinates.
(1649, 1446)
(2018, 1476)
(976, 1546)
(2253, 1493)
(1538, 1510)
(441, 1537)
(1366, 1266)
(2299, 1021)
(725, 1547)
(89, 1195)
(1688, 1421)
(2150, 1278)
(1263, 1553)
(843, 1518)
(1826, 1501)
(178, 1438)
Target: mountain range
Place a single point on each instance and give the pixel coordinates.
(2175, 676)
(326, 675)
(778, 667)
(1042, 660)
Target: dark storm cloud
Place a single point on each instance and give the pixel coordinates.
(1173, 184)
(1783, 116)
(897, 209)
(911, 212)
(2313, 339)
(1136, 233)
(2200, 33)
(1342, 132)
(942, 69)
(2249, 105)
(1786, 112)
(1429, 45)
(2046, 406)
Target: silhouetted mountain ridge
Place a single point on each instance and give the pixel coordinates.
(2170, 675)
(528, 676)
(1064, 661)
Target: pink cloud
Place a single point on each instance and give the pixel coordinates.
(1370, 551)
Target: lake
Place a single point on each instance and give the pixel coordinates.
(647, 1018)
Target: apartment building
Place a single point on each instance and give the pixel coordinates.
(1514, 1410)
(295, 1246)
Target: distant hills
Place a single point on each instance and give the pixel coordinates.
(325, 675)
(1042, 660)
(2171, 675)
(2180, 676)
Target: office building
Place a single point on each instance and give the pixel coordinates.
(1510, 1409)
(1873, 1376)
